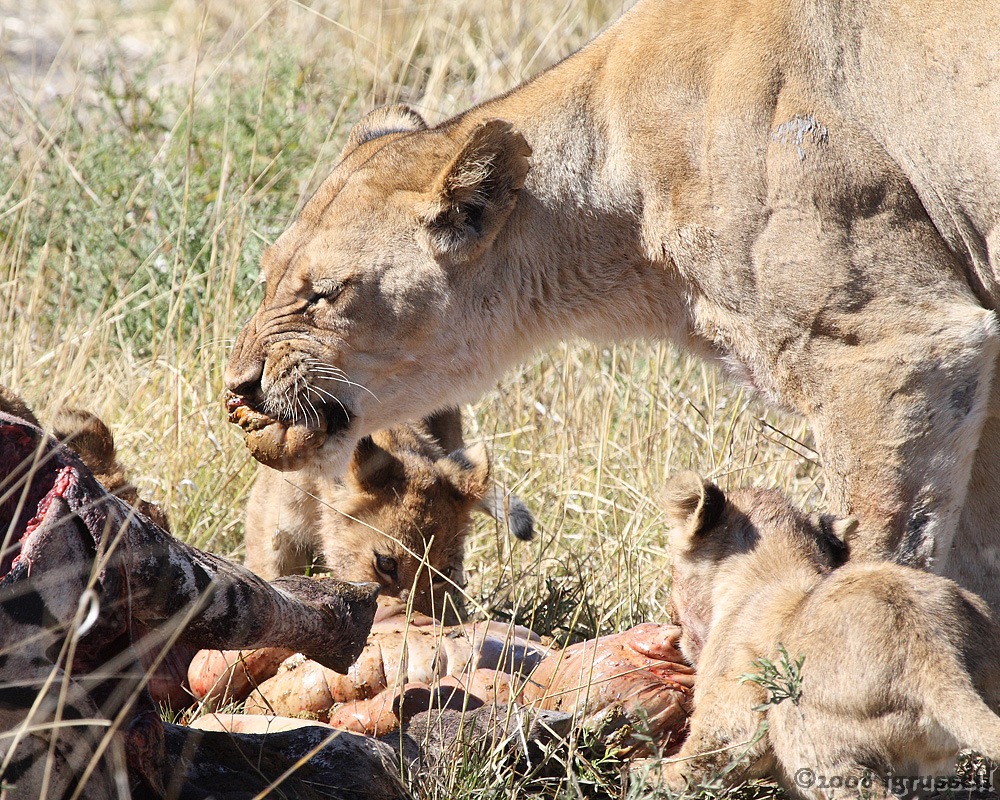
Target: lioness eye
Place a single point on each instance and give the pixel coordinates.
(327, 289)
(387, 566)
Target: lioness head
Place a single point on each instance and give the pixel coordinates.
(360, 325)
(713, 534)
(402, 519)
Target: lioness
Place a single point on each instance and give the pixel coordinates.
(899, 672)
(399, 517)
(807, 191)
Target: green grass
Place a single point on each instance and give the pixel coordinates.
(135, 200)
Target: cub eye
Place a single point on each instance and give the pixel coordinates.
(328, 289)
(442, 575)
(387, 566)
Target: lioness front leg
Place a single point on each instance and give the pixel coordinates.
(865, 324)
(898, 424)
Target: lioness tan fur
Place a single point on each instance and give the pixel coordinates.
(899, 671)
(398, 518)
(807, 191)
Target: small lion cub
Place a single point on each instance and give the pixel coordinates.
(399, 517)
(900, 668)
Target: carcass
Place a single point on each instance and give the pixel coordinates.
(79, 571)
(636, 678)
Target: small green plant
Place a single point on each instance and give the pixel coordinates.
(783, 681)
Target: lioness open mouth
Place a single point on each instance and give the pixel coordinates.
(284, 444)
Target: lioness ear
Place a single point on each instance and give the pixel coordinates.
(372, 469)
(692, 504)
(468, 470)
(476, 192)
(398, 118)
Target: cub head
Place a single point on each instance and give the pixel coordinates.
(719, 539)
(376, 304)
(11, 403)
(402, 520)
(91, 439)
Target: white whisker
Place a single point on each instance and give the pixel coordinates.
(342, 378)
(326, 372)
(319, 390)
(309, 402)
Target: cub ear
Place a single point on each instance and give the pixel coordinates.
(87, 435)
(845, 528)
(11, 403)
(372, 468)
(693, 505)
(475, 193)
(398, 118)
(468, 471)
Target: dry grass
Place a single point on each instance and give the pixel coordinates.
(151, 149)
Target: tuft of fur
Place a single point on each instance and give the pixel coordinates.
(397, 118)
(898, 674)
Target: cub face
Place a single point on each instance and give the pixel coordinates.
(713, 535)
(402, 521)
(365, 317)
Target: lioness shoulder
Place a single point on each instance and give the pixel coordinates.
(897, 671)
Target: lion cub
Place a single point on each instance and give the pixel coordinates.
(89, 436)
(399, 517)
(900, 670)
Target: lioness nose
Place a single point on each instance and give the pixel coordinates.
(243, 374)
(246, 363)
(243, 382)
(244, 370)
